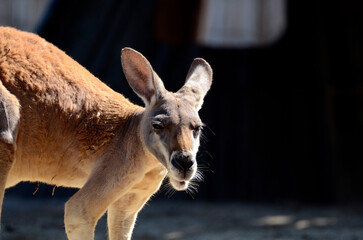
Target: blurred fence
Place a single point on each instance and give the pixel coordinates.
(287, 117)
(22, 14)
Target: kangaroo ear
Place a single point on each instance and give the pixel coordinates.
(140, 76)
(197, 84)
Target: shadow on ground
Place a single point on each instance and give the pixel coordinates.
(168, 220)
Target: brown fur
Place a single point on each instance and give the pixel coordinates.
(61, 125)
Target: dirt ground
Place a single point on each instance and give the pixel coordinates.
(193, 220)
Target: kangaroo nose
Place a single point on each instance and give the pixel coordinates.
(182, 161)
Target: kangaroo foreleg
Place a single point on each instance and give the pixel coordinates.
(9, 119)
(83, 210)
(121, 218)
(121, 215)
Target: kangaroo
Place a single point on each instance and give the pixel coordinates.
(62, 126)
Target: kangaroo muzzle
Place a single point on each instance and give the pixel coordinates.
(184, 163)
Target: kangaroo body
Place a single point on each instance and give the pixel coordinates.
(61, 125)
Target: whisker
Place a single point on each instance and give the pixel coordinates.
(204, 153)
(171, 192)
(204, 167)
(203, 138)
(192, 189)
(190, 193)
(168, 190)
(199, 176)
(206, 127)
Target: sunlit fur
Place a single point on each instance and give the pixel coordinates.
(61, 125)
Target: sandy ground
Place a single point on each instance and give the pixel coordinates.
(170, 219)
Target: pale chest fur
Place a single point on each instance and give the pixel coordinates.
(150, 182)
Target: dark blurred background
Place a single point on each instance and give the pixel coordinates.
(285, 112)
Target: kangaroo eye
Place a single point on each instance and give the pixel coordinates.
(157, 126)
(197, 129)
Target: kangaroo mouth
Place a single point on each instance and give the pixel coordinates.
(178, 184)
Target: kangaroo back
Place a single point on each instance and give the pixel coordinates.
(62, 105)
(61, 125)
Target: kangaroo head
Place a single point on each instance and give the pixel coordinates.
(170, 126)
